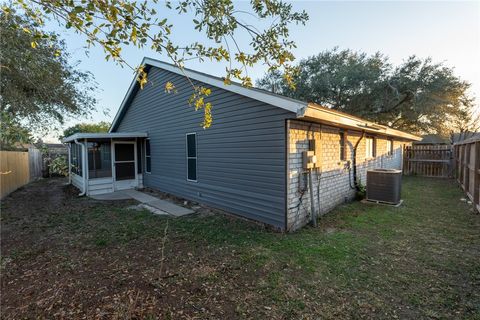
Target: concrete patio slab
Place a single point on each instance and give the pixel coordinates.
(169, 207)
(149, 202)
(117, 195)
(139, 196)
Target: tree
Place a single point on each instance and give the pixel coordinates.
(99, 127)
(39, 87)
(12, 133)
(417, 96)
(114, 24)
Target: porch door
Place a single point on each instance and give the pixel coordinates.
(125, 165)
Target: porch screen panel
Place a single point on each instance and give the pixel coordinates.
(124, 161)
(76, 159)
(124, 152)
(99, 160)
(124, 170)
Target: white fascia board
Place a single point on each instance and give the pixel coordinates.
(109, 135)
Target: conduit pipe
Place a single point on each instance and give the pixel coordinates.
(354, 162)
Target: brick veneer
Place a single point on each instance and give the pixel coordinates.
(331, 179)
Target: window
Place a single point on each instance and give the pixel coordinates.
(390, 147)
(343, 150)
(370, 151)
(191, 156)
(148, 157)
(76, 159)
(99, 160)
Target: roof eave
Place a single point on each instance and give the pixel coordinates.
(328, 116)
(109, 135)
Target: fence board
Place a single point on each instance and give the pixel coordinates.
(14, 171)
(467, 168)
(428, 160)
(36, 163)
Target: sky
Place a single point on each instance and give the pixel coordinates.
(448, 32)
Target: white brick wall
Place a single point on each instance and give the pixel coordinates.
(331, 179)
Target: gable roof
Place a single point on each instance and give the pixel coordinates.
(300, 109)
(433, 139)
(460, 137)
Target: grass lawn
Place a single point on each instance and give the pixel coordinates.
(64, 256)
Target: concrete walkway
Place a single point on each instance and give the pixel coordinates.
(161, 206)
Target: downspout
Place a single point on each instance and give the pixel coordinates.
(354, 162)
(310, 180)
(312, 202)
(84, 175)
(319, 172)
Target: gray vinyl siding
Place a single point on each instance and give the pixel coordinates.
(240, 158)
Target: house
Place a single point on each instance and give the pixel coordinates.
(458, 137)
(433, 139)
(249, 162)
(438, 140)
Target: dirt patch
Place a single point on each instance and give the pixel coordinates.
(51, 269)
(65, 256)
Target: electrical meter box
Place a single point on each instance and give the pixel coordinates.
(309, 159)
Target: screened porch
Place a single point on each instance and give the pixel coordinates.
(106, 162)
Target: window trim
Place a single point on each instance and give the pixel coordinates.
(196, 155)
(391, 149)
(343, 148)
(374, 147)
(147, 156)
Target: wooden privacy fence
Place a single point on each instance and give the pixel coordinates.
(14, 171)
(467, 168)
(36, 163)
(428, 160)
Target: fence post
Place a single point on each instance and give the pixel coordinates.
(454, 162)
(476, 180)
(467, 167)
(460, 164)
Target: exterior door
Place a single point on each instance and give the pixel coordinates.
(124, 165)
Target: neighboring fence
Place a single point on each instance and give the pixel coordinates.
(467, 168)
(428, 160)
(36, 163)
(14, 171)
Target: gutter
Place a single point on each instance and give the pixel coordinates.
(316, 113)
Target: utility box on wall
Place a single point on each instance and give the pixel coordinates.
(309, 159)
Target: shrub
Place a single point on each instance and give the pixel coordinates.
(59, 166)
(361, 191)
